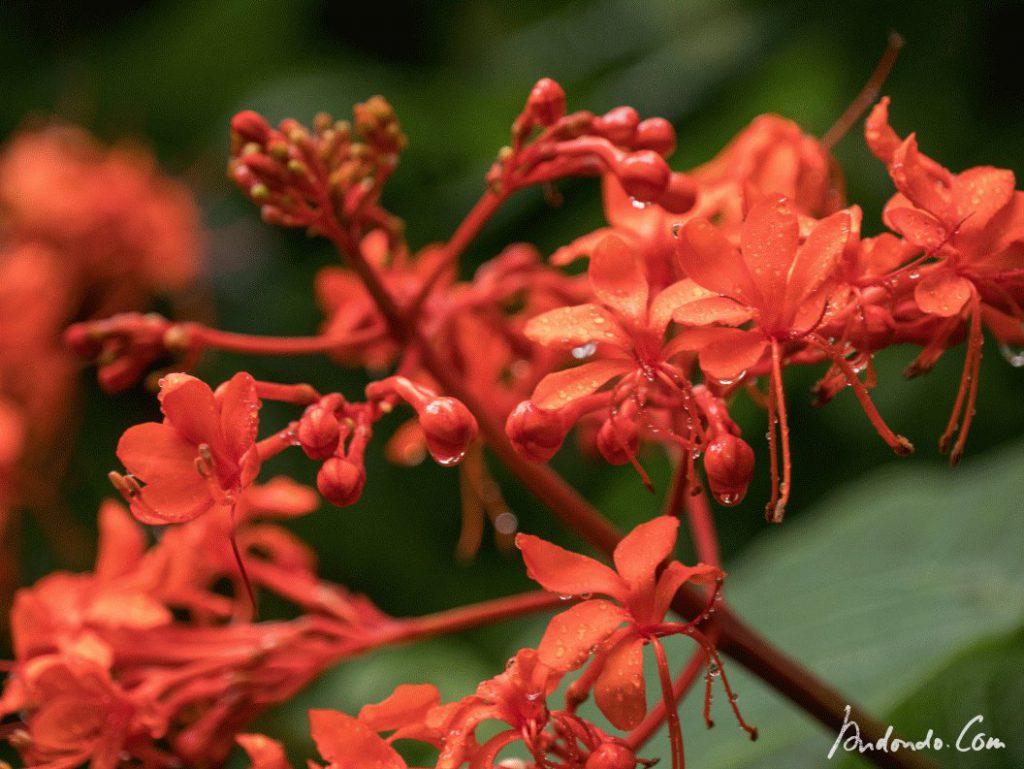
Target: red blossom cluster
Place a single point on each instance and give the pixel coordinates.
(606, 636)
(704, 287)
(148, 657)
(84, 231)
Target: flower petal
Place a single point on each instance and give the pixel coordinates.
(674, 577)
(407, 705)
(189, 406)
(768, 240)
(917, 226)
(561, 571)
(172, 499)
(643, 550)
(583, 246)
(279, 497)
(122, 542)
(263, 752)
(239, 413)
(563, 387)
(348, 744)
(731, 353)
(818, 258)
(618, 278)
(708, 258)
(133, 609)
(572, 635)
(978, 194)
(881, 139)
(568, 327)
(620, 691)
(942, 293)
(153, 450)
(670, 298)
(715, 309)
(925, 183)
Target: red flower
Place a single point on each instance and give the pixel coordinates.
(974, 223)
(626, 329)
(770, 156)
(783, 285)
(77, 713)
(200, 457)
(643, 599)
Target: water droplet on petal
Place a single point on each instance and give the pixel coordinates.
(584, 351)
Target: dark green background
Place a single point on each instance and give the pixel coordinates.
(457, 73)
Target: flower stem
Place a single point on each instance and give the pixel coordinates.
(229, 341)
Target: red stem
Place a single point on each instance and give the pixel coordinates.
(702, 525)
(204, 336)
(467, 617)
(472, 224)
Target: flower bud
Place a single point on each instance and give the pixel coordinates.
(341, 481)
(617, 125)
(618, 440)
(250, 127)
(82, 340)
(655, 134)
(680, 195)
(536, 434)
(318, 433)
(449, 428)
(729, 466)
(546, 102)
(611, 755)
(644, 175)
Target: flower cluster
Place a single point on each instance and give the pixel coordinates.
(84, 231)
(703, 288)
(147, 657)
(609, 635)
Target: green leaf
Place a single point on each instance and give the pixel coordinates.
(874, 591)
(985, 683)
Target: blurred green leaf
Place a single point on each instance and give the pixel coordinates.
(985, 681)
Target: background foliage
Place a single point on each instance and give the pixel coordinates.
(888, 581)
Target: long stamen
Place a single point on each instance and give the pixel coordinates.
(773, 452)
(973, 363)
(867, 94)
(898, 443)
(714, 659)
(241, 565)
(675, 732)
(779, 510)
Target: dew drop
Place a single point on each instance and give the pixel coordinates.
(584, 351)
(1015, 357)
(638, 203)
(676, 229)
(713, 670)
(450, 460)
(566, 596)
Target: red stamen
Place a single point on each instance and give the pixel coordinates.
(898, 443)
(675, 732)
